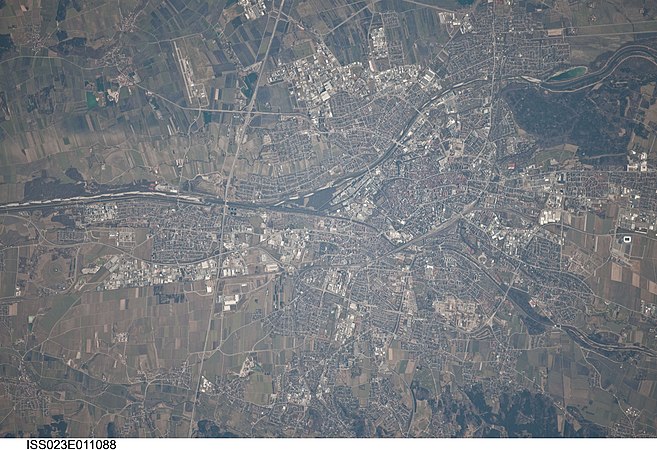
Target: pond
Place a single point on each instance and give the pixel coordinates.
(568, 74)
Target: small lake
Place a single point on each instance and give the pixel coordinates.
(568, 74)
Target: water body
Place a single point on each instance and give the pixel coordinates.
(321, 199)
(569, 74)
(249, 84)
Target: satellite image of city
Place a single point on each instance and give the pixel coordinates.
(328, 218)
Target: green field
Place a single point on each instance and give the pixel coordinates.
(61, 304)
(91, 100)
